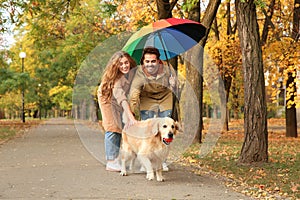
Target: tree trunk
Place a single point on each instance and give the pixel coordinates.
(195, 79)
(227, 84)
(255, 146)
(196, 75)
(216, 29)
(227, 79)
(268, 23)
(164, 8)
(296, 22)
(228, 15)
(290, 116)
(208, 18)
(290, 112)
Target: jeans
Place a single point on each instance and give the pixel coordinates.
(146, 114)
(112, 145)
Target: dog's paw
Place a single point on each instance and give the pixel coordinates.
(123, 173)
(160, 178)
(150, 176)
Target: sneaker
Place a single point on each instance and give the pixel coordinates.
(142, 169)
(165, 167)
(113, 166)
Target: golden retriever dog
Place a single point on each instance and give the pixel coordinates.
(148, 140)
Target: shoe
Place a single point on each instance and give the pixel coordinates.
(142, 169)
(113, 166)
(165, 167)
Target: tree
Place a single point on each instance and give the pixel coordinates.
(224, 48)
(195, 73)
(268, 23)
(280, 53)
(164, 8)
(255, 146)
(291, 118)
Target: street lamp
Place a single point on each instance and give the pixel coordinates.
(22, 55)
(40, 103)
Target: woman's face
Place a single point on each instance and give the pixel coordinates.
(124, 65)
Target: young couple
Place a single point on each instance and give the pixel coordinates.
(145, 90)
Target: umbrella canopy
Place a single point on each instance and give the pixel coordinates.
(170, 36)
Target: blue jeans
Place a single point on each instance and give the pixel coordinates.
(112, 144)
(146, 114)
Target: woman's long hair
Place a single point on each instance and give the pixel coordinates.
(112, 73)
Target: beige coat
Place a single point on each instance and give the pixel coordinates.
(151, 93)
(112, 110)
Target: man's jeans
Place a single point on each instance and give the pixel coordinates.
(146, 114)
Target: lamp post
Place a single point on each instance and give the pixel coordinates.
(40, 104)
(22, 55)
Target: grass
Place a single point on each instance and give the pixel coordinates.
(279, 178)
(7, 133)
(10, 129)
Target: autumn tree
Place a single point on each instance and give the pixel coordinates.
(281, 58)
(195, 73)
(255, 146)
(224, 49)
(291, 119)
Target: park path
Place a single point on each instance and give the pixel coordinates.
(52, 162)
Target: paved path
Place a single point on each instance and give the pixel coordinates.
(52, 161)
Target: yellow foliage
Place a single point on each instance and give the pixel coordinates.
(58, 89)
(281, 58)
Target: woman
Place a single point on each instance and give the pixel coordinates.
(112, 99)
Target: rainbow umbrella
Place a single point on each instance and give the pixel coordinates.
(170, 36)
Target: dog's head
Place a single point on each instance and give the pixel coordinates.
(166, 128)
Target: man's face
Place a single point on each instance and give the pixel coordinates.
(151, 64)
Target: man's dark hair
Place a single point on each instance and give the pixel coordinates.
(149, 50)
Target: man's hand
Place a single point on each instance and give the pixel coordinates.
(172, 81)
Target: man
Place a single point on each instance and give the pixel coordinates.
(151, 89)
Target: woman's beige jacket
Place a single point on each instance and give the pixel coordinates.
(112, 110)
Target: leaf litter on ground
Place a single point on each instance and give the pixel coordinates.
(277, 179)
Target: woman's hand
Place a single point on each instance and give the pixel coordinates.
(130, 122)
(128, 115)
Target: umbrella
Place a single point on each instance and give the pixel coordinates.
(170, 36)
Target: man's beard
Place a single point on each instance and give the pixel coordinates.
(152, 69)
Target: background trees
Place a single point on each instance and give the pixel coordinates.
(58, 35)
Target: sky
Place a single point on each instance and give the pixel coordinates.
(8, 40)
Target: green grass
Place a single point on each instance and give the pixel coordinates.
(7, 133)
(10, 129)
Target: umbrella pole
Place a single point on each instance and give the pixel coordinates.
(163, 45)
(175, 109)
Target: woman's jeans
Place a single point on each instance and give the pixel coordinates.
(112, 145)
(146, 114)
